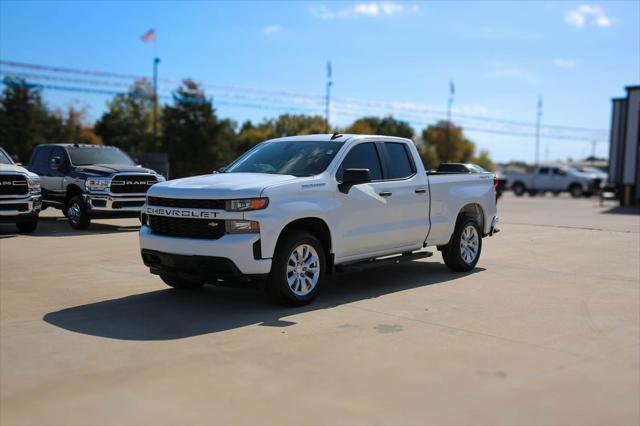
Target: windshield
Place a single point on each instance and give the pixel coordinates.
(4, 158)
(85, 156)
(297, 158)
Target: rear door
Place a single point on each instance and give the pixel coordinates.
(407, 195)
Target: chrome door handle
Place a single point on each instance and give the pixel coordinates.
(420, 191)
(385, 194)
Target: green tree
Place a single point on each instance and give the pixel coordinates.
(196, 141)
(128, 121)
(75, 128)
(449, 142)
(25, 120)
(484, 160)
(387, 126)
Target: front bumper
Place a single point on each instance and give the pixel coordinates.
(20, 208)
(112, 203)
(242, 250)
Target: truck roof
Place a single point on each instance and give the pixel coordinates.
(77, 145)
(336, 137)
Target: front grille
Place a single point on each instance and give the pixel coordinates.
(13, 185)
(132, 184)
(186, 203)
(21, 207)
(121, 204)
(186, 228)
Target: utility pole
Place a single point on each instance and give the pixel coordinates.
(328, 97)
(539, 116)
(452, 92)
(593, 151)
(156, 61)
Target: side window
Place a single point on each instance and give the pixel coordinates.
(399, 161)
(40, 160)
(544, 171)
(59, 152)
(362, 156)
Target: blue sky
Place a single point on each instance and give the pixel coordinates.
(500, 55)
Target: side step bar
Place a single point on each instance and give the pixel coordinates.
(370, 263)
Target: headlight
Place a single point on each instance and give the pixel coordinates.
(242, 226)
(97, 184)
(246, 204)
(34, 184)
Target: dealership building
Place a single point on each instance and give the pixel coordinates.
(624, 149)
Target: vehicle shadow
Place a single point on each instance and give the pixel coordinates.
(175, 314)
(634, 210)
(59, 227)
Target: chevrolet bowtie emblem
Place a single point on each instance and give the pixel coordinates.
(213, 224)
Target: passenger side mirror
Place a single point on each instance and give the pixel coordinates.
(353, 177)
(56, 163)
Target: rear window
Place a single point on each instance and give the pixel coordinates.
(400, 165)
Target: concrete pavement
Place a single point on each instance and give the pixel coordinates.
(545, 331)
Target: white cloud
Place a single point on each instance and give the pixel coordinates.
(364, 9)
(564, 63)
(271, 29)
(587, 14)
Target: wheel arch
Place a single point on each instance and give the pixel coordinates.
(474, 210)
(72, 191)
(316, 226)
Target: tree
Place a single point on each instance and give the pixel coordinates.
(387, 126)
(450, 144)
(484, 160)
(75, 128)
(193, 137)
(25, 120)
(128, 122)
(284, 125)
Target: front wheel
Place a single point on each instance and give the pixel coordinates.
(77, 213)
(519, 189)
(298, 269)
(576, 191)
(27, 227)
(463, 251)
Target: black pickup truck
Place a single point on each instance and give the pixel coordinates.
(91, 181)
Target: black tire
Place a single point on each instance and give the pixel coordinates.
(277, 286)
(27, 227)
(519, 189)
(76, 212)
(451, 253)
(576, 191)
(181, 283)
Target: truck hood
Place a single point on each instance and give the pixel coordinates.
(12, 168)
(219, 185)
(107, 169)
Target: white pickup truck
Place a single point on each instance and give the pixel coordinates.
(293, 210)
(554, 179)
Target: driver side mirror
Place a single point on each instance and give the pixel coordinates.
(218, 170)
(56, 163)
(353, 177)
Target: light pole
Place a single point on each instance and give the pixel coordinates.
(156, 61)
(539, 116)
(452, 92)
(328, 97)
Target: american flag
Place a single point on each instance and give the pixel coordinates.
(149, 35)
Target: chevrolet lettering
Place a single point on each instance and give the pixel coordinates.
(293, 210)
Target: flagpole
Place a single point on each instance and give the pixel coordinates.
(156, 61)
(328, 97)
(449, 104)
(539, 116)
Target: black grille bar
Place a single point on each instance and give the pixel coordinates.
(187, 228)
(186, 203)
(132, 184)
(21, 207)
(13, 185)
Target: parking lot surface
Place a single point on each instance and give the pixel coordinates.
(546, 330)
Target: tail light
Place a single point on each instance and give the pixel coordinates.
(496, 182)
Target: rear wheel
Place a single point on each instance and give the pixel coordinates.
(77, 213)
(576, 190)
(519, 189)
(181, 283)
(27, 227)
(463, 251)
(298, 269)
